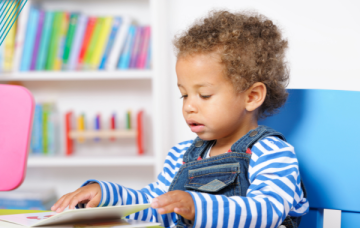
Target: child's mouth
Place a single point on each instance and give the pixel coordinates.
(196, 127)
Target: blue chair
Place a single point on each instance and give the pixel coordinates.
(324, 128)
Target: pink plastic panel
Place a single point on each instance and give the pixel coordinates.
(16, 112)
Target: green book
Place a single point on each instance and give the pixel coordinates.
(69, 38)
(93, 42)
(45, 128)
(54, 40)
(44, 42)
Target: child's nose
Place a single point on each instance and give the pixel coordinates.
(189, 106)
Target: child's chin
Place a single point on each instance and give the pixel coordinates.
(206, 137)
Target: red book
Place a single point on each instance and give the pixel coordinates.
(112, 125)
(69, 141)
(87, 37)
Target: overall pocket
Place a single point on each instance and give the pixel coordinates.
(218, 179)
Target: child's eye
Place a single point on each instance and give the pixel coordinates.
(205, 96)
(183, 96)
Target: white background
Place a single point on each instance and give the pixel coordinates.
(324, 43)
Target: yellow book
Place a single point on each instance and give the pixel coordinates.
(9, 46)
(101, 43)
(81, 127)
(63, 32)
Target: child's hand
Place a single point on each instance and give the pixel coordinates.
(90, 194)
(176, 201)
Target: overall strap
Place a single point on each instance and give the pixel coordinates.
(253, 136)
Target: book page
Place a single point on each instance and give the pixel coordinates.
(74, 216)
(122, 223)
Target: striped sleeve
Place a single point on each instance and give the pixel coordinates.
(115, 194)
(274, 192)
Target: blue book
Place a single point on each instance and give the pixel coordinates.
(116, 25)
(124, 60)
(77, 42)
(29, 39)
(36, 136)
(45, 40)
(148, 58)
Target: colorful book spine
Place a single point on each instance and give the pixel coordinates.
(54, 40)
(119, 44)
(136, 47)
(69, 39)
(29, 39)
(51, 130)
(144, 48)
(45, 128)
(148, 58)
(78, 38)
(93, 43)
(60, 50)
(37, 40)
(9, 41)
(45, 40)
(20, 35)
(110, 42)
(36, 136)
(9, 44)
(100, 45)
(87, 36)
(125, 56)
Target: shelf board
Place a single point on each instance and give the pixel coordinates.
(79, 161)
(76, 75)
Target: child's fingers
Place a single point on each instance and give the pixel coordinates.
(80, 197)
(64, 203)
(169, 208)
(60, 202)
(167, 198)
(94, 202)
(185, 212)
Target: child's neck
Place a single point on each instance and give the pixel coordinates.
(222, 145)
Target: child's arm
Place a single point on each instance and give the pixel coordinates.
(274, 192)
(112, 194)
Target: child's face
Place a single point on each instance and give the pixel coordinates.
(211, 106)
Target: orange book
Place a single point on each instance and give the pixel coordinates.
(86, 41)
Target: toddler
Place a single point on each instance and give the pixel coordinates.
(231, 73)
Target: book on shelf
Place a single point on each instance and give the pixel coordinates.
(86, 41)
(28, 199)
(20, 36)
(90, 217)
(45, 130)
(37, 40)
(29, 39)
(62, 41)
(110, 42)
(124, 61)
(44, 41)
(69, 39)
(77, 41)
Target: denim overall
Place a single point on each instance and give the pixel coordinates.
(224, 174)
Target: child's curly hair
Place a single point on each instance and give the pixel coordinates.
(251, 49)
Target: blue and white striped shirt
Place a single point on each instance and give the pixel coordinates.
(274, 191)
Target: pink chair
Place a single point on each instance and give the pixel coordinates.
(16, 113)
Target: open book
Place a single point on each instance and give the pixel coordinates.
(79, 218)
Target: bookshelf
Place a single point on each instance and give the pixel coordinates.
(107, 91)
(61, 161)
(77, 75)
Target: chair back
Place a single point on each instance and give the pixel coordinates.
(324, 128)
(16, 112)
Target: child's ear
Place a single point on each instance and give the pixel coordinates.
(255, 96)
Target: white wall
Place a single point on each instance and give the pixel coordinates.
(324, 43)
